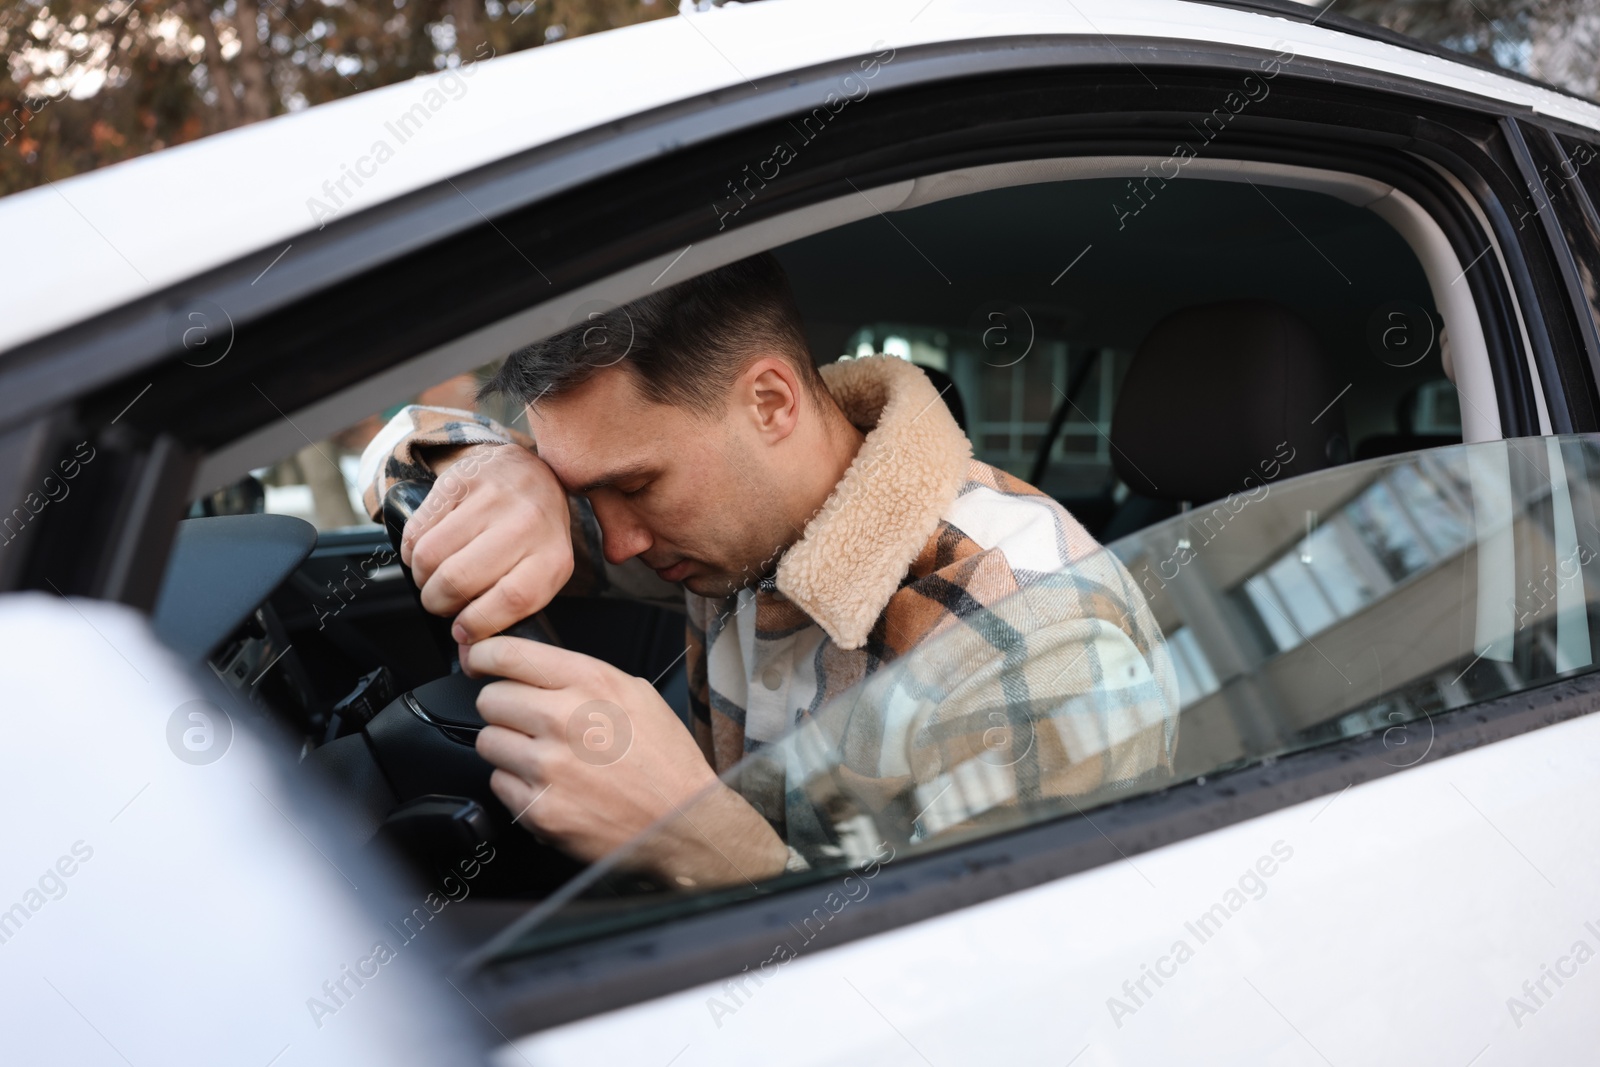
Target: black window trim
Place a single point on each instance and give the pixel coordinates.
(1550, 296)
(1567, 220)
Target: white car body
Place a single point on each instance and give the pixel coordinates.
(1415, 914)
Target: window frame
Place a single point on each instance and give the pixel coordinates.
(1564, 193)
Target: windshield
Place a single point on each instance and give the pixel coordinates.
(1361, 599)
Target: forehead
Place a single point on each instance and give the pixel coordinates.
(601, 426)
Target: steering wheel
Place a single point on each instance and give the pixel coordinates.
(415, 772)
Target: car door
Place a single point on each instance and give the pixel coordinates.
(1253, 623)
(953, 103)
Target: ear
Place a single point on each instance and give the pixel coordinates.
(768, 395)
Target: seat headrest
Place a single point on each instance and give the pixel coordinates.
(1221, 398)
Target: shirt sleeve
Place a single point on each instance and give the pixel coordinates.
(403, 447)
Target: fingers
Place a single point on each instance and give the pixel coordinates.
(527, 709)
(441, 502)
(511, 750)
(520, 796)
(519, 779)
(462, 559)
(535, 664)
(492, 542)
(524, 590)
(448, 532)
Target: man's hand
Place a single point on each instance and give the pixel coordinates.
(491, 544)
(587, 757)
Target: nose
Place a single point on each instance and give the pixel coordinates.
(623, 535)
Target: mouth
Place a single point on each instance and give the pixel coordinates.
(676, 572)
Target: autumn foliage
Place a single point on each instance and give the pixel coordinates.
(91, 82)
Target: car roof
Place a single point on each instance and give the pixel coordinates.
(102, 239)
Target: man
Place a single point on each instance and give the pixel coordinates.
(950, 636)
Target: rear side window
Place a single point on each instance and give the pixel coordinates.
(1364, 599)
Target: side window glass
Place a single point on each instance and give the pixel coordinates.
(1375, 595)
(319, 482)
(1362, 600)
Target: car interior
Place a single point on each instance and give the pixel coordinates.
(1135, 347)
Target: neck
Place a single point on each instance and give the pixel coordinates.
(841, 442)
(828, 456)
(844, 442)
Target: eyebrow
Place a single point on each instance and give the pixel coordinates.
(612, 477)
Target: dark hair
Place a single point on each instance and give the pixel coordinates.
(686, 343)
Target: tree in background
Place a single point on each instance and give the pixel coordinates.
(92, 82)
(1553, 40)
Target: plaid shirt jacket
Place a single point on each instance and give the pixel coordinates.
(944, 645)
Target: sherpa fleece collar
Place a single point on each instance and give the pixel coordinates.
(857, 548)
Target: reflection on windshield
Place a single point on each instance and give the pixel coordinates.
(1364, 598)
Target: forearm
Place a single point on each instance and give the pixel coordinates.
(717, 840)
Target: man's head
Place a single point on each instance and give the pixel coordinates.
(695, 422)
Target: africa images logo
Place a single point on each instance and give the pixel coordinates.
(199, 732)
(599, 733)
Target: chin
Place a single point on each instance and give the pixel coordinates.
(715, 586)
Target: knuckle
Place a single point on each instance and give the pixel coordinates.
(425, 555)
(447, 592)
(457, 478)
(495, 655)
(593, 678)
(519, 599)
(434, 600)
(527, 761)
(431, 511)
(565, 565)
(451, 574)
